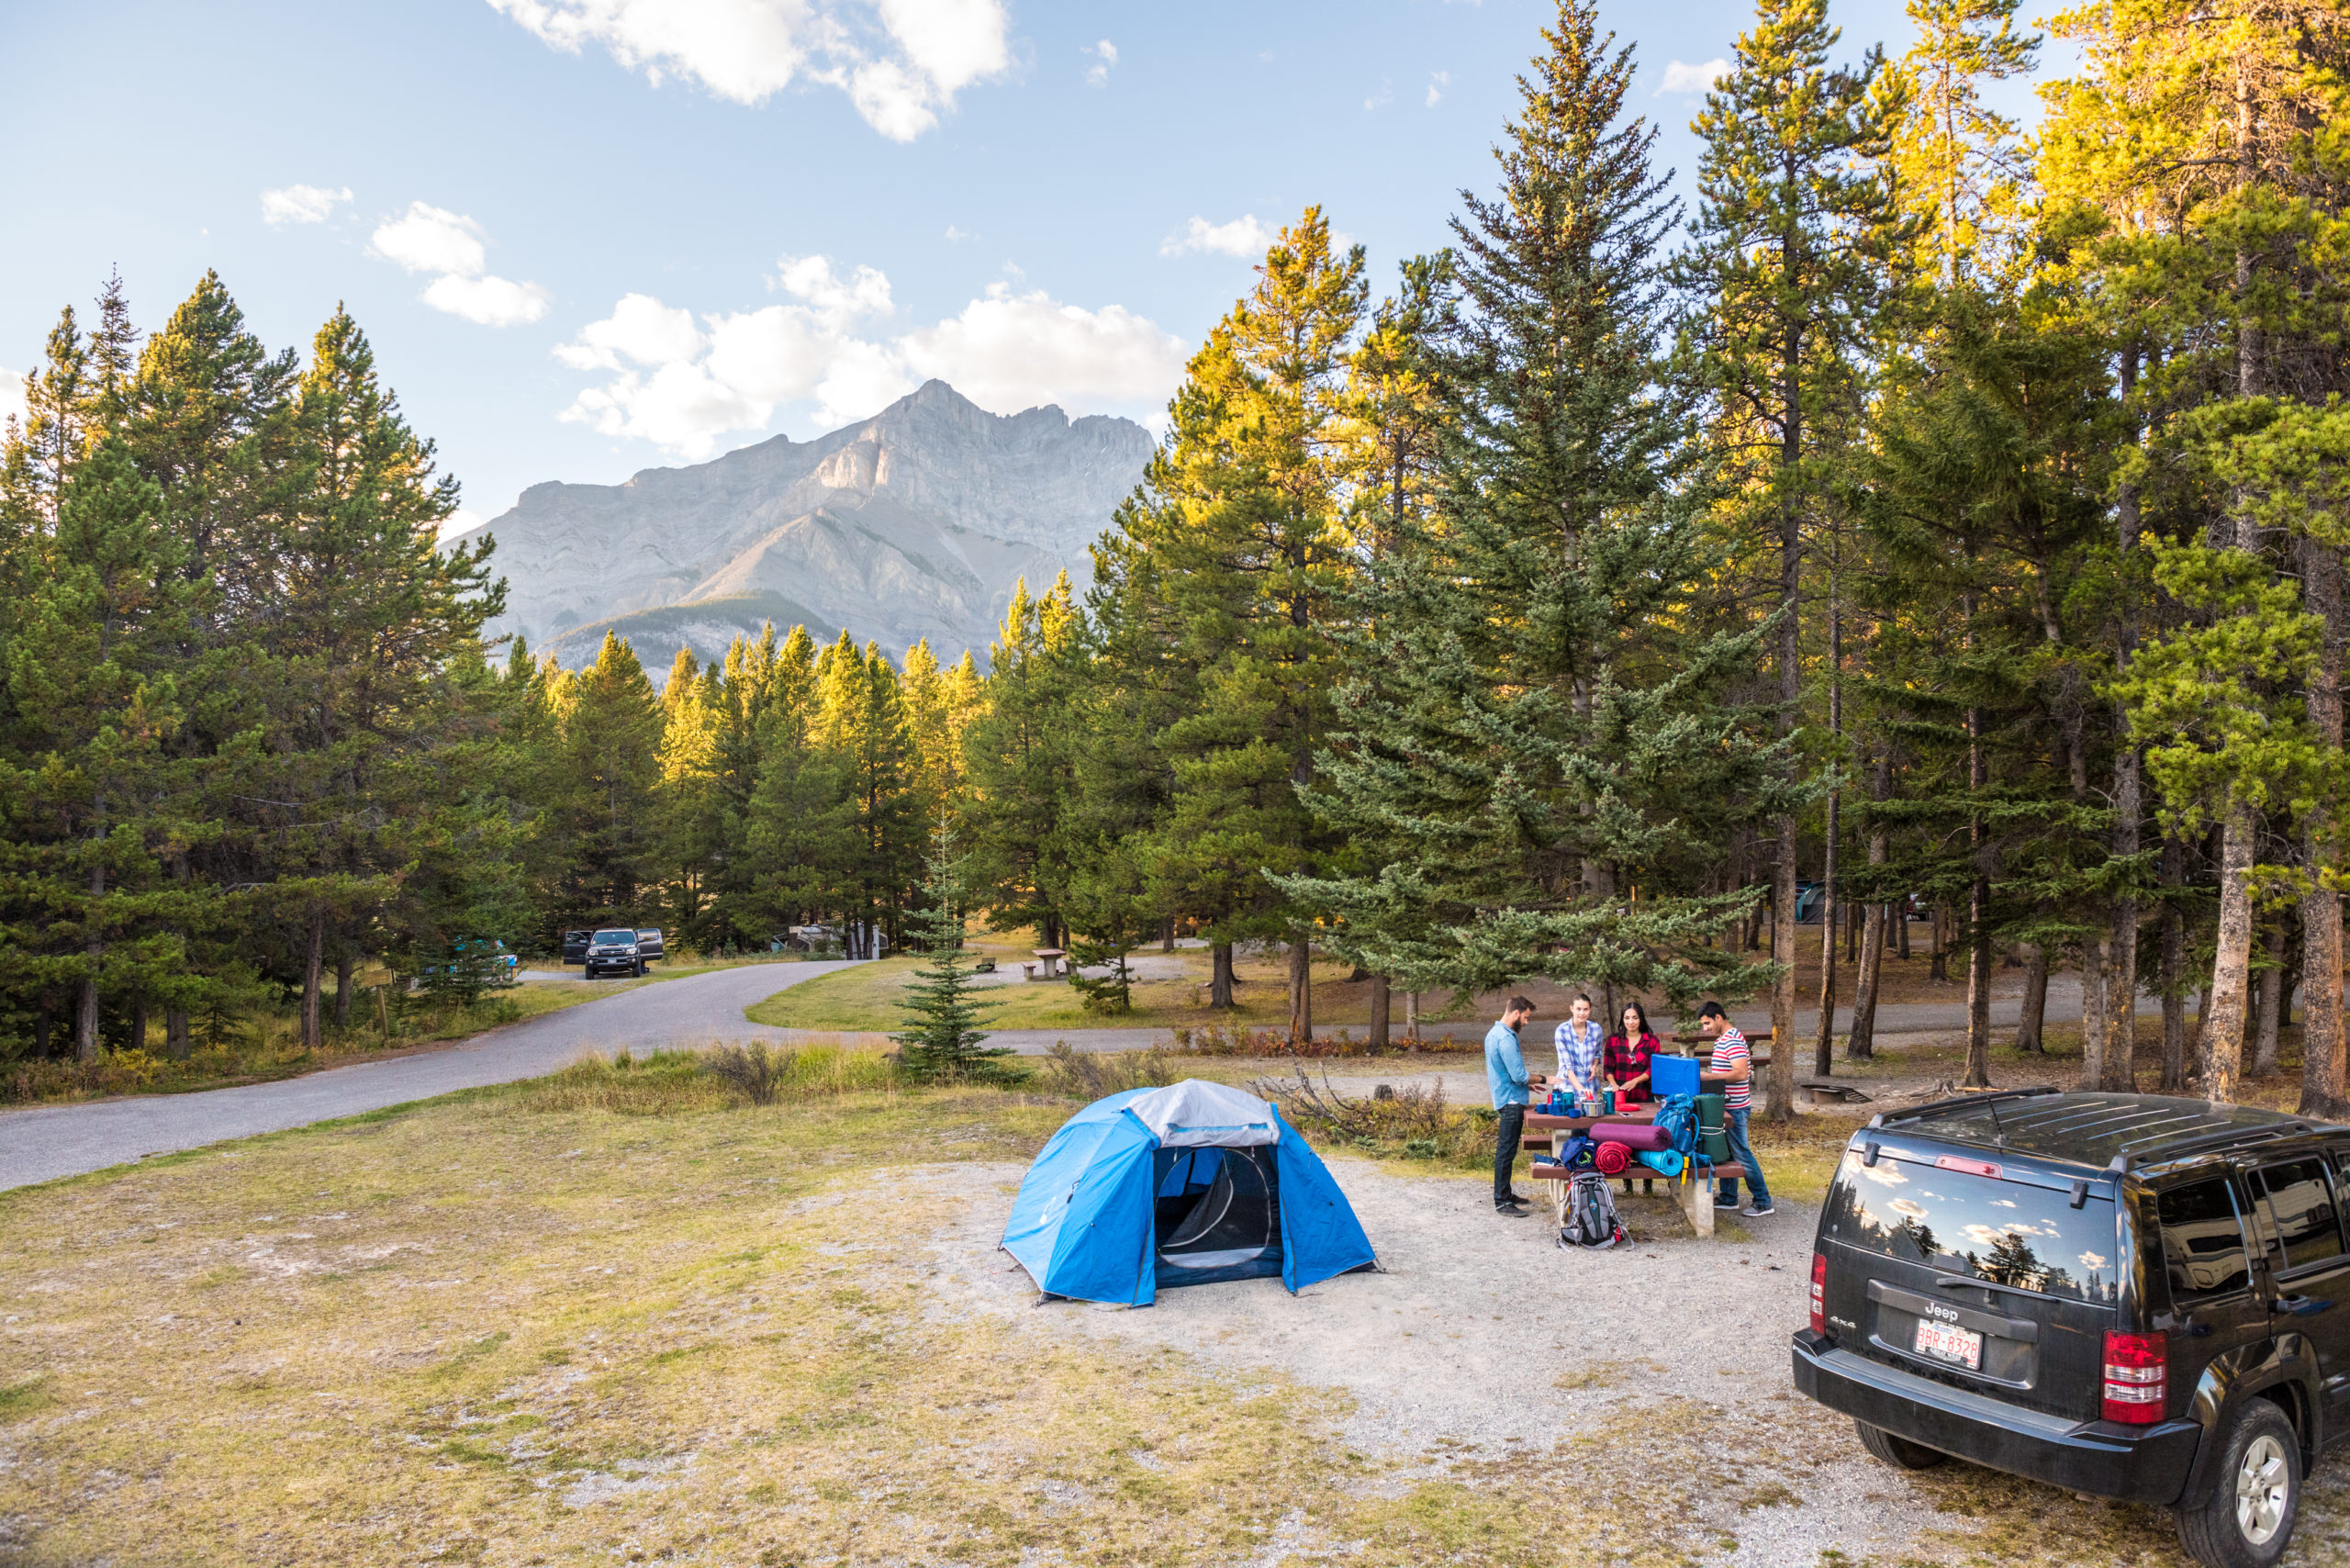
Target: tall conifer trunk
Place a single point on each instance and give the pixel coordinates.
(1824, 1055)
(1876, 925)
(2325, 1076)
(1220, 976)
(2030, 1024)
(2121, 1021)
(2273, 986)
(1301, 988)
(1781, 1083)
(1978, 895)
(2172, 873)
(313, 969)
(1380, 1009)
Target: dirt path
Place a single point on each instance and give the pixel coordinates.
(1642, 1394)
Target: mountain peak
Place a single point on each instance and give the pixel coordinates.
(914, 523)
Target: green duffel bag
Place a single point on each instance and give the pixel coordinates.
(1710, 1136)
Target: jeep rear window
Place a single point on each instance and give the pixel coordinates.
(1980, 1227)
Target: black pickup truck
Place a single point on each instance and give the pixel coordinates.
(614, 951)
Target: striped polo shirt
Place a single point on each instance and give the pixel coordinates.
(1729, 1050)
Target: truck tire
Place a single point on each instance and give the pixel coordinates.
(1898, 1453)
(2248, 1520)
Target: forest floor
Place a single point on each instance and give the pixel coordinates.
(1170, 993)
(614, 1315)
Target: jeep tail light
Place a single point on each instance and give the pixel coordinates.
(1819, 1293)
(2136, 1382)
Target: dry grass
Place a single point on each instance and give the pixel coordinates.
(614, 1315)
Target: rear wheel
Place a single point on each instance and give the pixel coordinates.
(1898, 1453)
(2248, 1520)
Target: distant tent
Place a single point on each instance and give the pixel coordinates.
(1186, 1185)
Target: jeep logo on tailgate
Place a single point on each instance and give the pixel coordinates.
(1936, 1309)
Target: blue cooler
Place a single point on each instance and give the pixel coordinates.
(1669, 1076)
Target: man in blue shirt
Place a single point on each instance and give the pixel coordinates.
(1506, 1075)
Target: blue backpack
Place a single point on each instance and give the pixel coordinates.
(1676, 1116)
(1576, 1152)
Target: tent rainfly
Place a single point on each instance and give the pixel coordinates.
(1187, 1185)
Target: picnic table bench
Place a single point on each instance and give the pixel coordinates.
(1694, 1191)
(1695, 1195)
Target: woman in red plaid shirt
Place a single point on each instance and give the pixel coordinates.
(1627, 1056)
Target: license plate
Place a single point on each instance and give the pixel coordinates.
(1949, 1343)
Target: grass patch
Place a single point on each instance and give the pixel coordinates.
(867, 998)
(613, 1312)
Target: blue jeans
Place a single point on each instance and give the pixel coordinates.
(1742, 1153)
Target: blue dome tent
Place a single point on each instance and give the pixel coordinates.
(1187, 1185)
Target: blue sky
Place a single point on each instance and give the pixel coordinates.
(593, 236)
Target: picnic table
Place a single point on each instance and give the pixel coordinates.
(1051, 958)
(1694, 1191)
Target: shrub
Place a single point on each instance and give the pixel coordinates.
(753, 1071)
(1091, 1075)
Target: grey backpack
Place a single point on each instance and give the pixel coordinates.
(1591, 1213)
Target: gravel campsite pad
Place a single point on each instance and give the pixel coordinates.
(1637, 1399)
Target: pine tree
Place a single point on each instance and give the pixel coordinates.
(1964, 160)
(1245, 510)
(944, 1040)
(1797, 222)
(90, 682)
(610, 761)
(1536, 741)
(1017, 766)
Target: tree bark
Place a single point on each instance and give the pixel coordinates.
(1379, 1011)
(1938, 940)
(1901, 928)
(1876, 926)
(2325, 1072)
(1167, 935)
(2174, 963)
(2224, 1004)
(1220, 976)
(2093, 1009)
(1412, 1018)
(139, 1025)
(1301, 990)
(1978, 896)
(2272, 992)
(1824, 1054)
(2035, 1001)
(86, 1020)
(313, 967)
(2121, 1021)
(175, 1038)
(342, 967)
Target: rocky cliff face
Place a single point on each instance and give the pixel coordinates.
(914, 523)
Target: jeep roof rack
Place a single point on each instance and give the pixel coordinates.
(2205, 1143)
(1958, 1103)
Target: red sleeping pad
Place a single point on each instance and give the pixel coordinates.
(1611, 1159)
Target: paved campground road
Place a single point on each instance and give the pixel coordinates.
(42, 1144)
(45, 1143)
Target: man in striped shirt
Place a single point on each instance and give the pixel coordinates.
(1731, 1075)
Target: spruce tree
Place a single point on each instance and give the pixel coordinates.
(1536, 738)
(1796, 224)
(944, 1039)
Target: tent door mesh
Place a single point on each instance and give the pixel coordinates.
(1219, 1215)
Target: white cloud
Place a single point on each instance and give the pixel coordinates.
(1681, 77)
(1381, 99)
(459, 521)
(300, 204)
(428, 239)
(1437, 82)
(956, 236)
(12, 397)
(1105, 55)
(900, 62)
(1243, 237)
(682, 383)
(487, 301)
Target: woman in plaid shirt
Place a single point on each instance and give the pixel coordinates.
(1627, 1056)
(1578, 1040)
